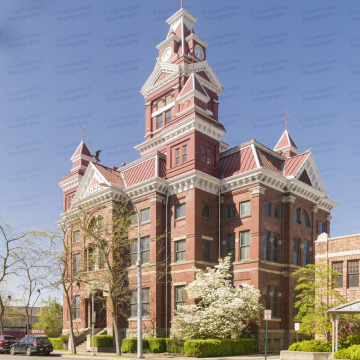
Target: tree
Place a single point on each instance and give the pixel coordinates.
(11, 242)
(50, 317)
(220, 310)
(317, 294)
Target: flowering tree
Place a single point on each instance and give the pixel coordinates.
(220, 310)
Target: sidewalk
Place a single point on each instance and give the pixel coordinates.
(107, 356)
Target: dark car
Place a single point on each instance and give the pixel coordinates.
(32, 345)
(6, 341)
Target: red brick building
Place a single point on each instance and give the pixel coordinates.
(343, 253)
(264, 206)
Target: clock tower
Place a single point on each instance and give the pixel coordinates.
(181, 102)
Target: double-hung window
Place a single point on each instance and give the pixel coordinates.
(76, 236)
(145, 292)
(322, 227)
(275, 303)
(168, 116)
(206, 212)
(133, 304)
(76, 263)
(184, 153)
(230, 211)
(160, 121)
(180, 296)
(266, 297)
(145, 250)
(267, 208)
(177, 156)
(338, 267)
(296, 251)
(267, 245)
(244, 245)
(133, 252)
(208, 158)
(180, 211)
(276, 211)
(306, 253)
(77, 307)
(145, 215)
(230, 246)
(202, 153)
(353, 273)
(207, 250)
(244, 208)
(275, 253)
(297, 216)
(180, 250)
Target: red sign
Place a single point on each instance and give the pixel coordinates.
(267, 314)
(38, 332)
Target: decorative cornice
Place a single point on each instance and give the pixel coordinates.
(157, 198)
(168, 40)
(163, 109)
(328, 217)
(71, 182)
(288, 199)
(192, 123)
(193, 36)
(315, 208)
(257, 190)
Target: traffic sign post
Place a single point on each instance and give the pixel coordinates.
(297, 328)
(267, 317)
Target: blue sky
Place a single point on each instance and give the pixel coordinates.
(59, 62)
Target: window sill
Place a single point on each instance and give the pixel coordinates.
(135, 318)
(180, 218)
(77, 321)
(353, 289)
(245, 216)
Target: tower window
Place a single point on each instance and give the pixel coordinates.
(180, 296)
(160, 121)
(230, 211)
(276, 211)
(145, 215)
(160, 104)
(275, 304)
(168, 100)
(76, 236)
(77, 307)
(168, 116)
(267, 208)
(177, 156)
(297, 216)
(208, 159)
(202, 153)
(184, 153)
(322, 227)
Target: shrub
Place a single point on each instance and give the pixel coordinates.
(57, 343)
(130, 345)
(157, 345)
(311, 346)
(64, 338)
(219, 347)
(172, 346)
(343, 354)
(354, 352)
(102, 341)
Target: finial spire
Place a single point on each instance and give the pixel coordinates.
(286, 118)
(182, 5)
(83, 128)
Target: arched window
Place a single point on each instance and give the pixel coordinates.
(305, 219)
(97, 223)
(297, 216)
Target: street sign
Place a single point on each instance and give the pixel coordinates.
(267, 314)
(37, 332)
(297, 326)
(94, 317)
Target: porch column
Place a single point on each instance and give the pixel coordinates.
(333, 334)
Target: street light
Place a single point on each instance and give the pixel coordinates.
(38, 290)
(138, 264)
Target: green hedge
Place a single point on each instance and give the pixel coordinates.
(173, 347)
(157, 345)
(102, 341)
(57, 343)
(220, 347)
(130, 345)
(311, 345)
(352, 352)
(65, 338)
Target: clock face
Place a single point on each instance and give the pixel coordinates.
(199, 53)
(166, 54)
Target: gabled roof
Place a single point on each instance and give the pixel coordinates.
(82, 149)
(286, 141)
(141, 172)
(192, 88)
(293, 164)
(110, 174)
(352, 307)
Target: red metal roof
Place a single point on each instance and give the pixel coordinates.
(292, 164)
(162, 167)
(110, 175)
(193, 84)
(238, 162)
(269, 161)
(203, 74)
(285, 140)
(139, 173)
(68, 176)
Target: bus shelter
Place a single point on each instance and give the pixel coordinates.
(352, 308)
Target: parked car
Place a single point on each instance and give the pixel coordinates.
(32, 345)
(5, 342)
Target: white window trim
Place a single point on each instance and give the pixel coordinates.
(163, 109)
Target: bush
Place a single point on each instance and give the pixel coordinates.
(311, 346)
(102, 341)
(64, 338)
(157, 345)
(220, 347)
(172, 346)
(130, 345)
(354, 352)
(57, 343)
(343, 354)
